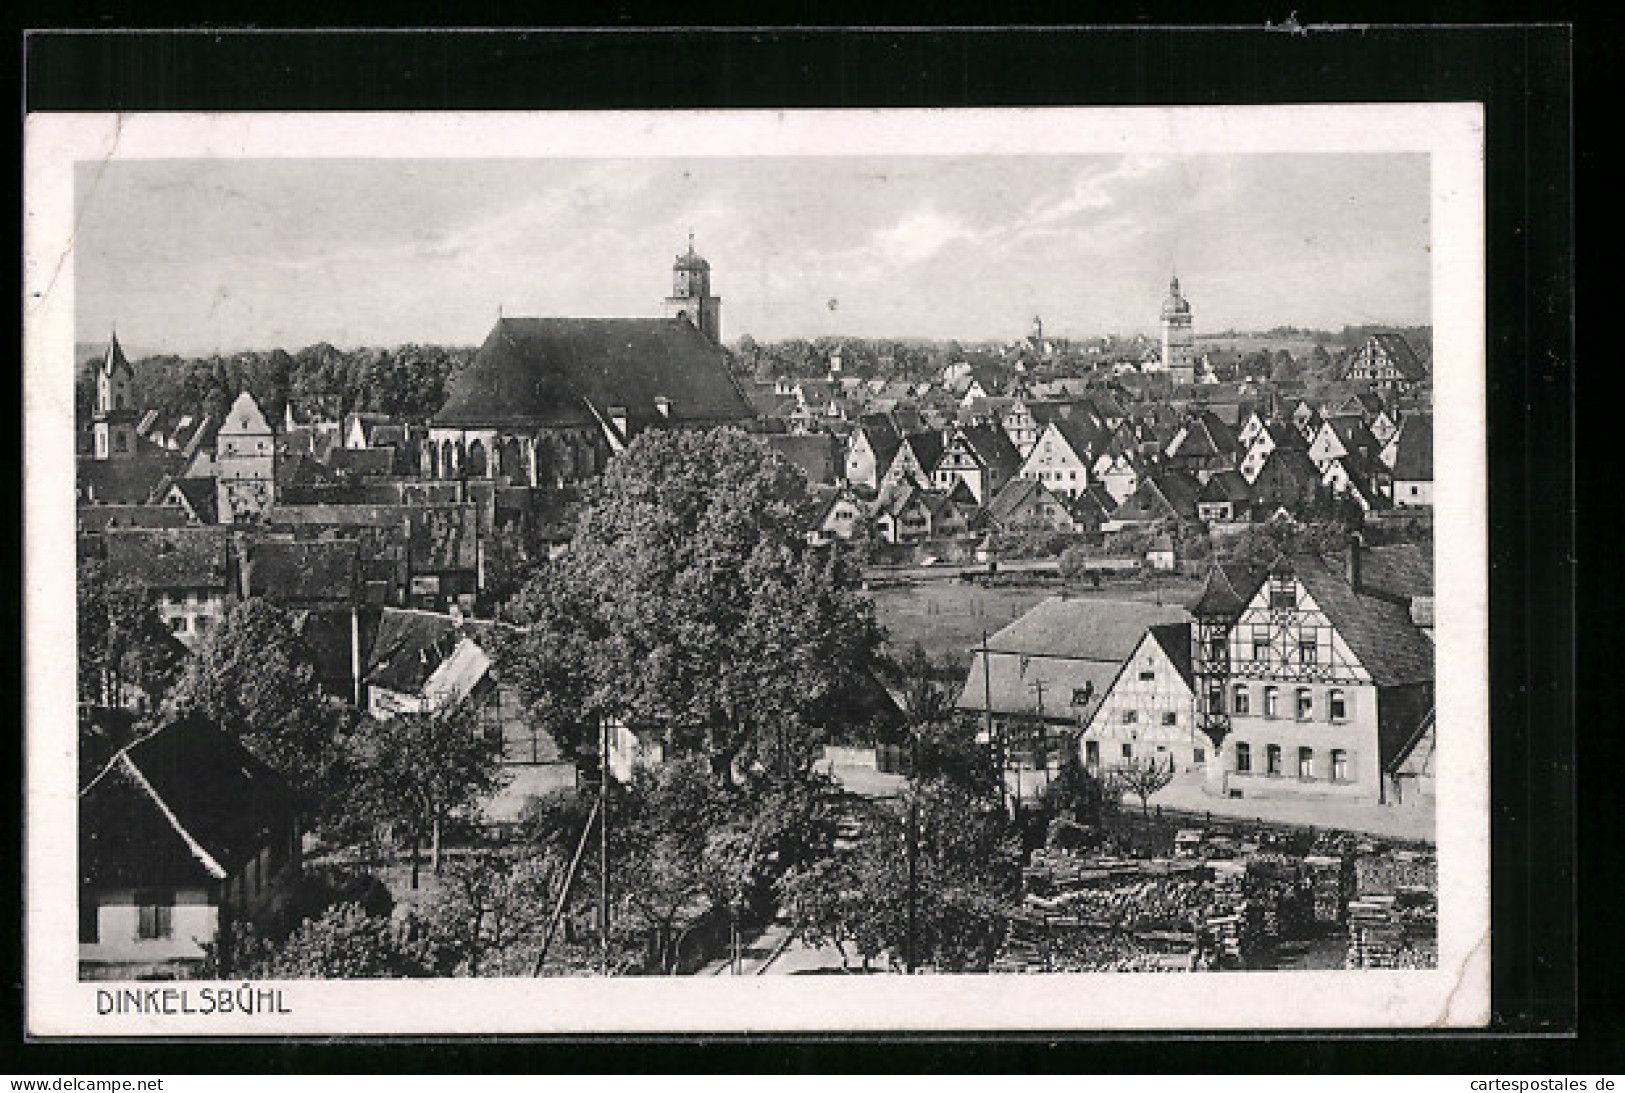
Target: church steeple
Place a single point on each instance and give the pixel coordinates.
(691, 297)
(114, 413)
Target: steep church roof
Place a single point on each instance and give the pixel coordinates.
(537, 372)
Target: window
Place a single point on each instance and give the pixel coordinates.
(1272, 759)
(1170, 718)
(1272, 702)
(1306, 763)
(1283, 594)
(177, 624)
(1147, 673)
(1306, 704)
(1091, 753)
(89, 919)
(201, 623)
(154, 917)
(1340, 765)
(1244, 758)
(1308, 651)
(1130, 717)
(1128, 751)
(1261, 643)
(1242, 700)
(119, 442)
(1337, 706)
(1198, 755)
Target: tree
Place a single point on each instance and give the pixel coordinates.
(1075, 793)
(1141, 777)
(256, 678)
(344, 942)
(966, 877)
(491, 906)
(419, 770)
(123, 646)
(688, 602)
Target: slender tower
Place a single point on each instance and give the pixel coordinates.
(1178, 339)
(691, 297)
(114, 412)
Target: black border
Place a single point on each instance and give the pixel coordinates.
(1522, 73)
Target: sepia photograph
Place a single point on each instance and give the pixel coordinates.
(742, 570)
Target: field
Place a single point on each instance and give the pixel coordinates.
(949, 617)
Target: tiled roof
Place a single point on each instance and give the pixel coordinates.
(201, 496)
(1413, 459)
(363, 462)
(97, 518)
(817, 454)
(927, 448)
(1227, 589)
(305, 572)
(1401, 569)
(992, 447)
(534, 372)
(184, 557)
(1226, 485)
(408, 646)
(184, 805)
(1011, 502)
(1378, 630)
(122, 481)
(1175, 639)
(1084, 627)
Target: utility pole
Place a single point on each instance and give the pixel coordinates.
(987, 710)
(1040, 762)
(603, 845)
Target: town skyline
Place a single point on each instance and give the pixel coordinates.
(285, 254)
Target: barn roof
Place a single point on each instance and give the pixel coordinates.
(185, 805)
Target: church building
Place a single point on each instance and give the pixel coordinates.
(114, 413)
(546, 402)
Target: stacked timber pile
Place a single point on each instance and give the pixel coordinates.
(1227, 911)
(1393, 919)
(1330, 881)
(1036, 944)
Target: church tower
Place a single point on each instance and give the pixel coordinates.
(244, 464)
(114, 414)
(691, 297)
(1178, 338)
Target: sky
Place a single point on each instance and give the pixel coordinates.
(216, 255)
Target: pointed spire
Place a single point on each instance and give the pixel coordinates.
(115, 352)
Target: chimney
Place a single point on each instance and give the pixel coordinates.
(1356, 545)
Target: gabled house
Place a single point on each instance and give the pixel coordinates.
(193, 496)
(181, 835)
(901, 514)
(1203, 444)
(1305, 418)
(1225, 497)
(951, 512)
(1119, 473)
(1169, 494)
(1048, 672)
(982, 457)
(869, 451)
(423, 661)
(914, 461)
(1026, 505)
(1288, 479)
(1342, 436)
(1389, 363)
(1410, 456)
(1091, 509)
(1328, 682)
(1360, 479)
(1149, 709)
(186, 572)
(1062, 456)
(1267, 438)
(838, 517)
